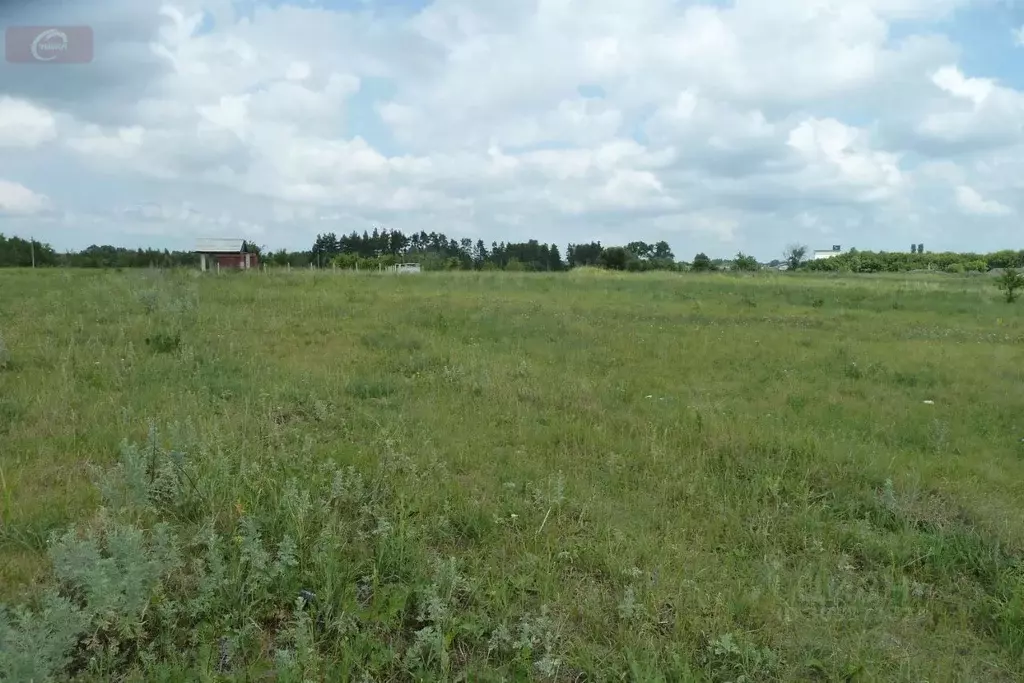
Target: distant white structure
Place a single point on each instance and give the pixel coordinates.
(827, 253)
(408, 268)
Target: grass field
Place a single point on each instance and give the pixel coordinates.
(583, 477)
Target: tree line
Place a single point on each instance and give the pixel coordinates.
(433, 251)
(18, 252)
(381, 248)
(855, 261)
(436, 251)
(22, 253)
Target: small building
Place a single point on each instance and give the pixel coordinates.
(408, 268)
(827, 253)
(231, 254)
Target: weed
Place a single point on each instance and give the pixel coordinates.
(371, 387)
(150, 300)
(9, 411)
(164, 342)
(733, 658)
(36, 645)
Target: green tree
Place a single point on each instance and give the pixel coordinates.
(480, 254)
(615, 258)
(18, 252)
(702, 263)
(744, 262)
(1010, 281)
(584, 254)
(635, 265)
(641, 250)
(663, 252)
(555, 259)
(794, 256)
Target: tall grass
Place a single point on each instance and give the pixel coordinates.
(510, 477)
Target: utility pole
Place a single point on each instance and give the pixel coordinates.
(32, 246)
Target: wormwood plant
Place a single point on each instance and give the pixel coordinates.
(138, 584)
(173, 571)
(172, 305)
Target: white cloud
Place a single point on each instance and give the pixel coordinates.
(122, 144)
(153, 218)
(781, 54)
(298, 71)
(715, 133)
(19, 200)
(972, 203)
(23, 124)
(978, 111)
(750, 123)
(950, 79)
(838, 155)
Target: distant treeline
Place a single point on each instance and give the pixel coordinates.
(17, 252)
(895, 262)
(433, 251)
(436, 251)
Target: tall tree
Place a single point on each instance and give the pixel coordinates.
(641, 250)
(584, 254)
(555, 259)
(480, 254)
(615, 258)
(702, 263)
(794, 255)
(745, 262)
(663, 251)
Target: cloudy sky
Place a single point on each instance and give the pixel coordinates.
(715, 125)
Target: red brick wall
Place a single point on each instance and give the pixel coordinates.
(237, 260)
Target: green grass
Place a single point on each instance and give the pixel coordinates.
(511, 477)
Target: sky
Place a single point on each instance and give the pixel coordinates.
(717, 126)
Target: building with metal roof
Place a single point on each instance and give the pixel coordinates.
(219, 245)
(217, 253)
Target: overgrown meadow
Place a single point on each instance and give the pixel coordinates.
(584, 477)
